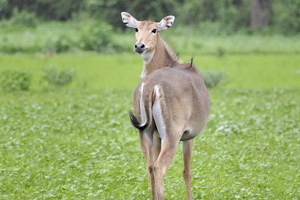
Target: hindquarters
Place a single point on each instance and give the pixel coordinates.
(171, 99)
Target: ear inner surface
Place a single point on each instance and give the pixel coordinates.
(129, 20)
(166, 22)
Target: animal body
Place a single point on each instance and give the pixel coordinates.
(171, 103)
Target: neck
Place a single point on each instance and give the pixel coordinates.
(158, 58)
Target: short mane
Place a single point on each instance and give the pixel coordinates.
(171, 52)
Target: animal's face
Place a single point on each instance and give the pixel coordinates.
(145, 36)
(146, 31)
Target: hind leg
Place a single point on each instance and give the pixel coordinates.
(146, 140)
(187, 173)
(156, 146)
(167, 153)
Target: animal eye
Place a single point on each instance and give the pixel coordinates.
(154, 30)
(136, 30)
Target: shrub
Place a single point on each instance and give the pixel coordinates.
(23, 18)
(285, 16)
(58, 78)
(212, 79)
(98, 37)
(55, 9)
(3, 8)
(220, 52)
(61, 44)
(15, 80)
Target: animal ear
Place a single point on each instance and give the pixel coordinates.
(128, 20)
(166, 22)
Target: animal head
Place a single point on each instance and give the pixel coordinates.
(146, 31)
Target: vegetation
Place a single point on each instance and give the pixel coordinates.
(75, 37)
(122, 70)
(212, 27)
(77, 142)
(67, 135)
(212, 79)
(229, 15)
(58, 37)
(58, 78)
(15, 80)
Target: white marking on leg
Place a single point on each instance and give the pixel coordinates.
(142, 106)
(149, 136)
(157, 115)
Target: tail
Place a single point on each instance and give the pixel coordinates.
(136, 123)
(144, 109)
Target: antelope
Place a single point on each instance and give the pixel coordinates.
(171, 103)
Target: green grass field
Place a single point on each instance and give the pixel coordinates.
(123, 70)
(77, 142)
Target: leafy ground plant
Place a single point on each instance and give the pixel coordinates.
(15, 80)
(58, 78)
(98, 37)
(78, 143)
(212, 79)
(23, 18)
(86, 148)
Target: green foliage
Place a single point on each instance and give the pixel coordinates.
(4, 7)
(45, 9)
(58, 78)
(59, 37)
(56, 9)
(97, 37)
(15, 80)
(74, 37)
(230, 15)
(286, 16)
(216, 17)
(142, 10)
(19, 19)
(23, 18)
(60, 44)
(212, 79)
(234, 16)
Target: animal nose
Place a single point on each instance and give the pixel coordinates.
(139, 47)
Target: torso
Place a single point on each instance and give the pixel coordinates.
(185, 94)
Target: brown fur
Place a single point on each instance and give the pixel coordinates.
(175, 102)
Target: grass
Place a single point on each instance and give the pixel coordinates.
(123, 70)
(77, 142)
(86, 148)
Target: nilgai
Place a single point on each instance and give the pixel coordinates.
(171, 103)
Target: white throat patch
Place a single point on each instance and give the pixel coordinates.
(147, 57)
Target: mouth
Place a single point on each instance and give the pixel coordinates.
(140, 51)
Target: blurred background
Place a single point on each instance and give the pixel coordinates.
(67, 77)
(62, 25)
